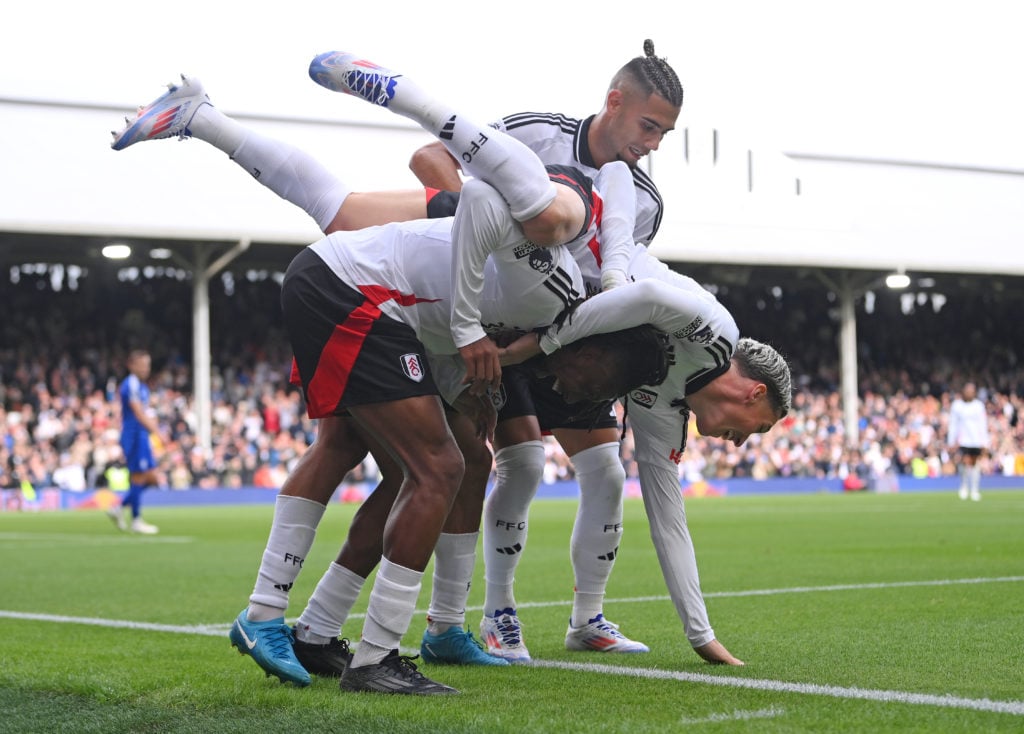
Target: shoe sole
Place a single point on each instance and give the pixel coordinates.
(620, 651)
(437, 660)
(355, 688)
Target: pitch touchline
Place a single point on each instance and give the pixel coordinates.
(791, 590)
(976, 704)
(866, 694)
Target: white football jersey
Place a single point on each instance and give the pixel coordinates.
(562, 140)
(968, 424)
(703, 335)
(407, 265)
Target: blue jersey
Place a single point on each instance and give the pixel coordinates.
(138, 451)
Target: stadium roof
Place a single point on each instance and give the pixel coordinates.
(731, 201)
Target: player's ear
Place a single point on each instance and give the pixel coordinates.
(614, 100)
(757, 392)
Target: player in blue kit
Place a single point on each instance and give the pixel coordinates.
(138, 424)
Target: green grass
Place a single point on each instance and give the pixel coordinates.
(857, 636)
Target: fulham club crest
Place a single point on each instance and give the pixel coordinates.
(413, 367)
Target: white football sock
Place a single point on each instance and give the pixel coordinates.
(329, 606)
(288, 171)
(291, 536)
(518, 473)
(483, 152)
(454, 559)
(392, 604)
(598, 528)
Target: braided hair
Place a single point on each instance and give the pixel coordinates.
(652, 75)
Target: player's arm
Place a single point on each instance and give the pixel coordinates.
(647, 301)
(953, 427)
(148, 421)
(663, 502)
(435, 167)
(618, 220)
(482, 224)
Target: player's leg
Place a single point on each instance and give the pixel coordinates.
(318, 643)
(519, 468)
(414, 432)
(138, 452)
(485, 153)
(185, 111)
(596, 536)
(964, 469)
(446, 639)
(974, 474)
(260, 630)
(139, 483)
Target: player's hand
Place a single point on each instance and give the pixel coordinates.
(715, 652)
(613, 278)
(483, 368)
(520, 350)
(481, 410)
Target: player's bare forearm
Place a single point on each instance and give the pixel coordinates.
(520, 349)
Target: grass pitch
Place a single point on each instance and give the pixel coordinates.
(863, 613)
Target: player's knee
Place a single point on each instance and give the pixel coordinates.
(560, 222)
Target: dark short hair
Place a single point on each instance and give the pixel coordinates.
(653, 75)
(641, 355)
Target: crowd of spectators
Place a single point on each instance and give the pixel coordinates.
(64, 342)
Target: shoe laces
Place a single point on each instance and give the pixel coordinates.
(370, 84)
(404, 666)
(508, 628)
(341, 644)
(280, 641)
(610, 628)
(466, 639)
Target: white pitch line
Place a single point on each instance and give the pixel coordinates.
(790, 590)
(109, 539)
(202, 629)
(867, 694)
(983, 704)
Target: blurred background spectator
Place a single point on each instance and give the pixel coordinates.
(62, 352)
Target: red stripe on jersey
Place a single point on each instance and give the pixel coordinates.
(597, 207)
(378, 294)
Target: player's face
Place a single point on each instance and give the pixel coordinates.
(142, 366)
(734, 421)
(637, 124)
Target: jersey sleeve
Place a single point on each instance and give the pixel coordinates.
(614, 181)
(663, 502)
(647, 301)
(482, 224)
